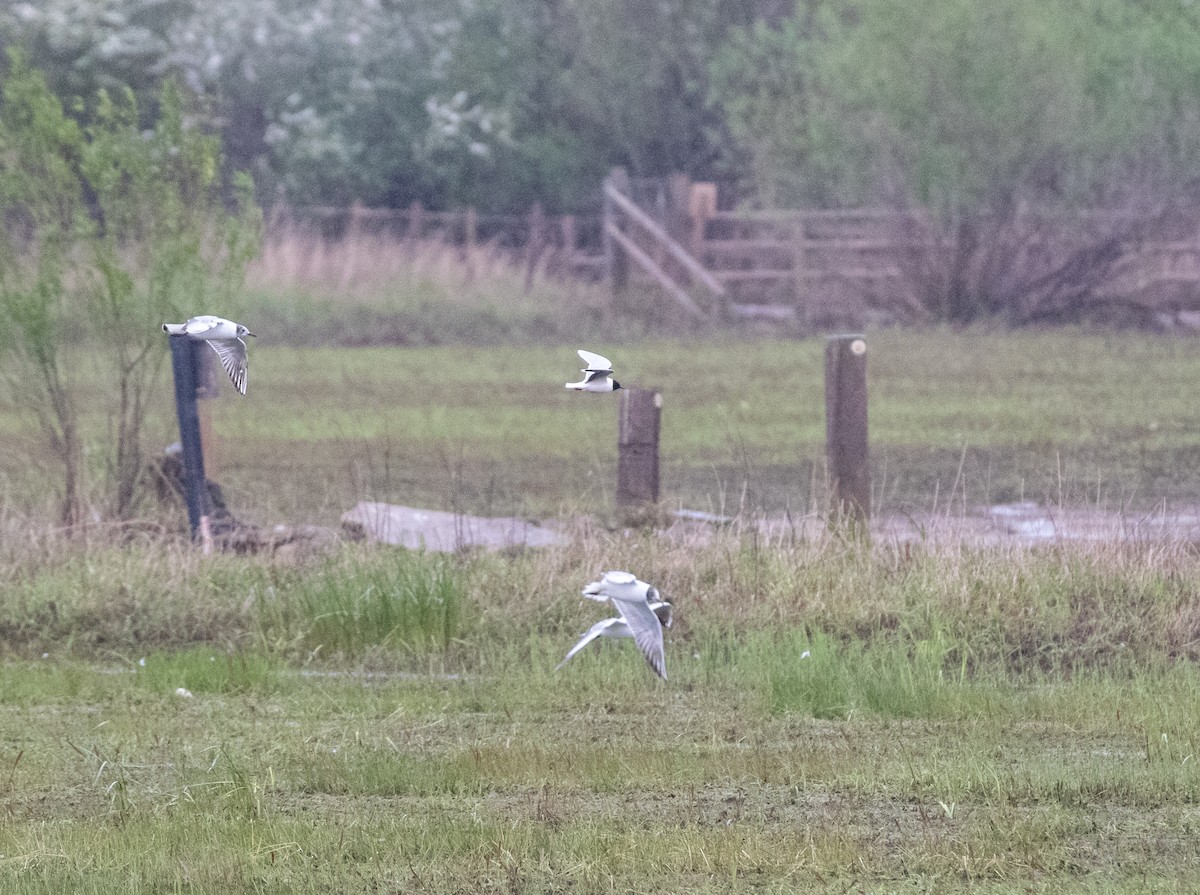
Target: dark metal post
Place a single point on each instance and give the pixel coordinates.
(637, 446)
(195, 487)
(846, 428)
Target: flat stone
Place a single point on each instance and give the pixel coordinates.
(443, 532)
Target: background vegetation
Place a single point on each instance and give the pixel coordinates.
(944, 103)
(109, 231)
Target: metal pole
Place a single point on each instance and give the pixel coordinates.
(846, 428)
(195, 488)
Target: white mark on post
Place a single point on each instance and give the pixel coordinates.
(858, 346)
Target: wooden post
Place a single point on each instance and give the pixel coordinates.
(354, 221)
(846, 429)
(536, 243)
(679, 194)
(702, 204)
(637, 446)
(470, 229)
(799, 266)
(195, 486)
(414, 220)
(616, 262)
(568, 230)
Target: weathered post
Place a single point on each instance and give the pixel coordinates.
(195, 486)
(637, 446)
(679, 194)
(569, 235)
(616, 262)
(415, 215)
(536, 244)
(846, 429)
(470, 230)
(702, 205)
(800, 264)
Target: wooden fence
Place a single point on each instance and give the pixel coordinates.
(571, 242)
(720, 263)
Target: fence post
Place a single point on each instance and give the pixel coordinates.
(702, 204)
(846, 429)
(470, 229)
(616, 263)
(414, 220)
(195, 486)
(679, 194)
(569, 233)
(800, 265)
(355, 219)
(536, 243)
(637, 446)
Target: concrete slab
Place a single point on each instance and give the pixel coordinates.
(443, 532)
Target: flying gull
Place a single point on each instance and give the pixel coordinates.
(224, 336)
(597, 375)
(642, 616)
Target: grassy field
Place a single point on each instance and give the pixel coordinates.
(971, 721)
(958, 420)
(933, 717)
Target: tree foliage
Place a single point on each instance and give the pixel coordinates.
(976, 113)
(969, 110)
(954, 104)
(493, 103)
(110, 230)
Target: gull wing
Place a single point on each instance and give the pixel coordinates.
(595, 591)
(617, 586)
(662, 611)
(198, 326)
(647, 632)
(596, 363)
(619, 578)
(600, 629)
(232, 353)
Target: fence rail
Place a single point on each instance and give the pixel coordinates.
(570, 243)
(775, 263)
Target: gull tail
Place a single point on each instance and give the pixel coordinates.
(175, 329)
(595, 591)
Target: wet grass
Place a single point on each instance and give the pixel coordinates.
(837, 718)
(605, 780)
(958, 420)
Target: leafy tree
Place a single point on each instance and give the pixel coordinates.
(112, 231)
(492, 103)
(85, 45)
(969, 110)
(587, 84)
(45, 216)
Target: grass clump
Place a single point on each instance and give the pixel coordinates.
(205, 671)
(411, 603)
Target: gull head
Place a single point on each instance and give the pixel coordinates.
(244, 331)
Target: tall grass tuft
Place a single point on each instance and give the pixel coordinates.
(375, 289)
(413, 604)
